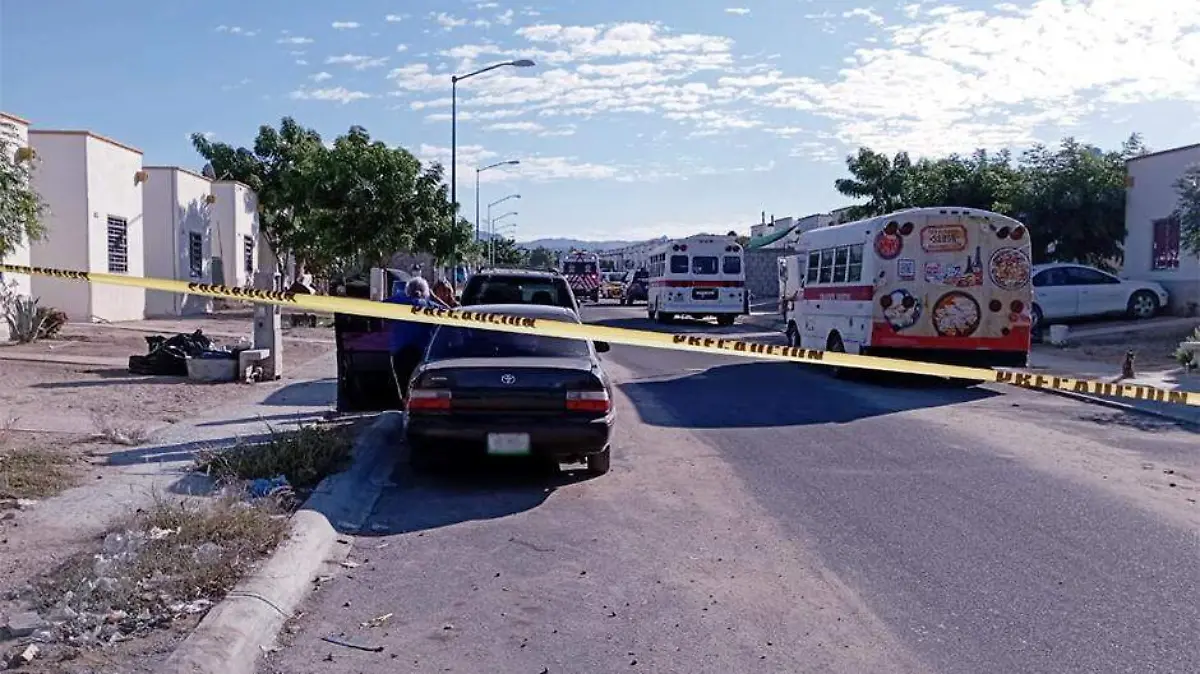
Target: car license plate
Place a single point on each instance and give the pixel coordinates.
(508, 443)
(704, 293)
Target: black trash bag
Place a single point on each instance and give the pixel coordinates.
(167, 356)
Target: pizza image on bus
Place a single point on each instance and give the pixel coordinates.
(1010, 268)
(962, 294)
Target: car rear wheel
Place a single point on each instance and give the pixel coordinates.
(835, 345)
(1143, 304)
(598, 464)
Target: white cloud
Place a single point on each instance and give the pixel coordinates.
(865, 13)
(320, 77)
(435, 103)
(447, 21)
(357, 61)
(506, 18)
(339, 94)
(301, 62)
(395, 18)
(401, 48)
(514, 126)
(237, 30)
(963, 79)
(486, 5)
(344, 25)
(481, 23)
(531, 169)
(740, 11)
(294, 40)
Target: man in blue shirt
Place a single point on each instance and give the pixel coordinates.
(409, 339)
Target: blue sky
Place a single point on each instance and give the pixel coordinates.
(641, 118)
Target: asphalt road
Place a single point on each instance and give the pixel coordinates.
(765, 517)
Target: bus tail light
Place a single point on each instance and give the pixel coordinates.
(429, 400)
(588, 401)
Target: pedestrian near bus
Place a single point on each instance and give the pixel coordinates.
(409, 339)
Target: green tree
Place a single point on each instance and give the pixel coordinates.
(506, 252)
(1073, 201)
(981, 180)
(542, 257)
(280, 171)
(878, 179)
(21, 207)
(345, 207)
(1187, 209)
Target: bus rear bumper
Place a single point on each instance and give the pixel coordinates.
(963, 357)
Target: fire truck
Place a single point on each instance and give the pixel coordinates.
(582, 270)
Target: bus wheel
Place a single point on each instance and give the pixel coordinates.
(835, 345)
(725, 320)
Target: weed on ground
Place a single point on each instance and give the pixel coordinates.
(303, 456)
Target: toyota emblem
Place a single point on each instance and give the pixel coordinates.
(508, 379)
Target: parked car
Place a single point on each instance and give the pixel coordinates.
(519, 286)
(482, 392)
(637, 287)
(1065, 291)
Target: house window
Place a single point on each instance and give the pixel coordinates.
(1166, 244)
(196, 254)
(118, 245)
(248, 253)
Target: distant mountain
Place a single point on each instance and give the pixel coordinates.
(568, 244)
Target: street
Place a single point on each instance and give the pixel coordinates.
(767, 517)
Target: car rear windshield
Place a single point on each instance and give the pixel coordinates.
(473, 343)
(517, 290)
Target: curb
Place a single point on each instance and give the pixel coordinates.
(1124, 407)
(232, 636)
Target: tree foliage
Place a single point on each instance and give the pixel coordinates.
(506, 252)
(1187, 209)
(542, 257)
(346, 206)
(21, 207)
(1072, 197)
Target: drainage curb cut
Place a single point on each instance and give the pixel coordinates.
(230, 639)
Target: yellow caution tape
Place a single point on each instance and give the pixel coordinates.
(679, 342)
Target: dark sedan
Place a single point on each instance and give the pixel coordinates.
(482, 392)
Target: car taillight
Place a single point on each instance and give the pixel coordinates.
(588, 401)
(429, 399)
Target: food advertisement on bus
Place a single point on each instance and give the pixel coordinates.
(953, 281)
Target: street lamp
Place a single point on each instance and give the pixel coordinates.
(454, 80)
(492, 237)
(511, 162)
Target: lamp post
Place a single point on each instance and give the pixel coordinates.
(454, 80)
(492, 236)
(511, 162)
(494, 203)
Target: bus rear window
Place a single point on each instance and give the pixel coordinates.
(732, 264)
(704, 264)
(679, 264)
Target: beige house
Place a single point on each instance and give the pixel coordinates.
(1153, 247)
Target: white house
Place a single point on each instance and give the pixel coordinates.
(179, 234)
(16, 133)
(92, 186)
(1152, 240)
(235, 248)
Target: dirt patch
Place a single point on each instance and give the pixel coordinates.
(1153, 350)
(166, 565)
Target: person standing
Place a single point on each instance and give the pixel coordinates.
(409, 339)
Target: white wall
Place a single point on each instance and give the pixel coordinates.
(175, 205)
(1151, 196)
(17, 132)
(235, 216)
(112, 192)
(61, 178)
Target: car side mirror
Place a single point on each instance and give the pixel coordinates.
(602, 347)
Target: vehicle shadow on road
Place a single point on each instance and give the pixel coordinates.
(678, 325)
(755, 395)
(465, 492)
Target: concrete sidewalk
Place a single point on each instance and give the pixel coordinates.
(1043, 360)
